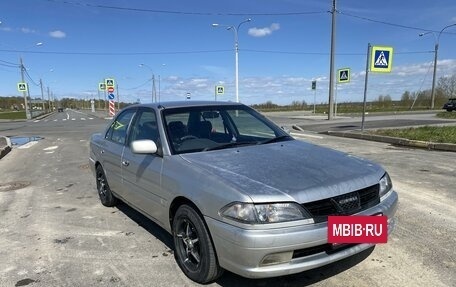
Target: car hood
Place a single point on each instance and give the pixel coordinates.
(287, 171)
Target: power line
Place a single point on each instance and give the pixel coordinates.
(390, 23)
(75, 3)
(192, 52)
(114, 53)
(326, 53)
(184, 12)
(142, 85)
(30, 78)
(9, 64)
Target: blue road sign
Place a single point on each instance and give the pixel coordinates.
(111, 96)
(381, 59)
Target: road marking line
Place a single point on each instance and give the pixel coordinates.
(55, 120)
(52, 147)
(83, 119)
(36, 121)
(73, 119)
(306, 136)
(28, 145)
(90, 118)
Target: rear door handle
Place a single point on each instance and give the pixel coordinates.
(125, 163)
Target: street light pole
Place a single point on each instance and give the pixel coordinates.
(42, 95)
(24, 93)
(331, 64)
(436, 51)
(28, 114)
(236, 51)
(154, 96)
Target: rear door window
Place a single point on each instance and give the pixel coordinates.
(117, 132)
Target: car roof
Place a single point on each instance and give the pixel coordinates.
(182, 104)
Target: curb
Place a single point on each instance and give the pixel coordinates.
(5, 146)
(395, 141)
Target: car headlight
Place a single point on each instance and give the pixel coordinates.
(265, 213)
(385, 185)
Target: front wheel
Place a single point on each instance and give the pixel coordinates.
(104, 192)
(194, 251)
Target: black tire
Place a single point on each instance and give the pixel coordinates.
(104, 192)
(194, 251)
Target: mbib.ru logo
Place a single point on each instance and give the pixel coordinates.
(357, 229)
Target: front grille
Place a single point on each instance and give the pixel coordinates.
(344, 204)
(328, 248)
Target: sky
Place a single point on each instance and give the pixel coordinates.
(284, 47)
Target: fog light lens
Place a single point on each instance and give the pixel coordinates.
(277, 258)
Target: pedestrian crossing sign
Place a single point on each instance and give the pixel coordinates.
(220, 90)
(343, 75)
(22, 87)
(381, 59)
(109, 83)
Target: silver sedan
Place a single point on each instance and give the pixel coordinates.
(235, 191)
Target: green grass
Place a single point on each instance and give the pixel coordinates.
(447, 115)
(427, 134)
(12, 115)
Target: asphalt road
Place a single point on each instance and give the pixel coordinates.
(319, 123)
(54, 231)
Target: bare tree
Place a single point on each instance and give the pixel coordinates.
(447, 86)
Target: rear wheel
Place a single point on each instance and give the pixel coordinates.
(104, 192)
(194, 251)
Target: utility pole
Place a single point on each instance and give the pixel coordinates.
(99, 101)
(118, 97)
(154, 91)
(49, 100)
(331, 64)
(42, 95)
(24, 93)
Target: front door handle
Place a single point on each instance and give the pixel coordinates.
(125, 163)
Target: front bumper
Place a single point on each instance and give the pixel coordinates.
(242, 250)
(92, 166)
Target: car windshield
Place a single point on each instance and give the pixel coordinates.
(200, 129)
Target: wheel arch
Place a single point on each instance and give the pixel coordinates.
(177, 202)
(181, 200)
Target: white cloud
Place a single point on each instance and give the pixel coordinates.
(57, 34)
(262, 32)
(28, 31)
(287, 88)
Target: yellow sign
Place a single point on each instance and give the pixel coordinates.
(22, 87)
(343, 75)
(381, 59)
(109, 83)
(220, 90)
(102, 86)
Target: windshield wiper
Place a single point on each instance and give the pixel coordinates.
(228, 145)
(276, 139)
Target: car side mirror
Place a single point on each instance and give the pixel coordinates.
(144, 147)
(285, 129)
